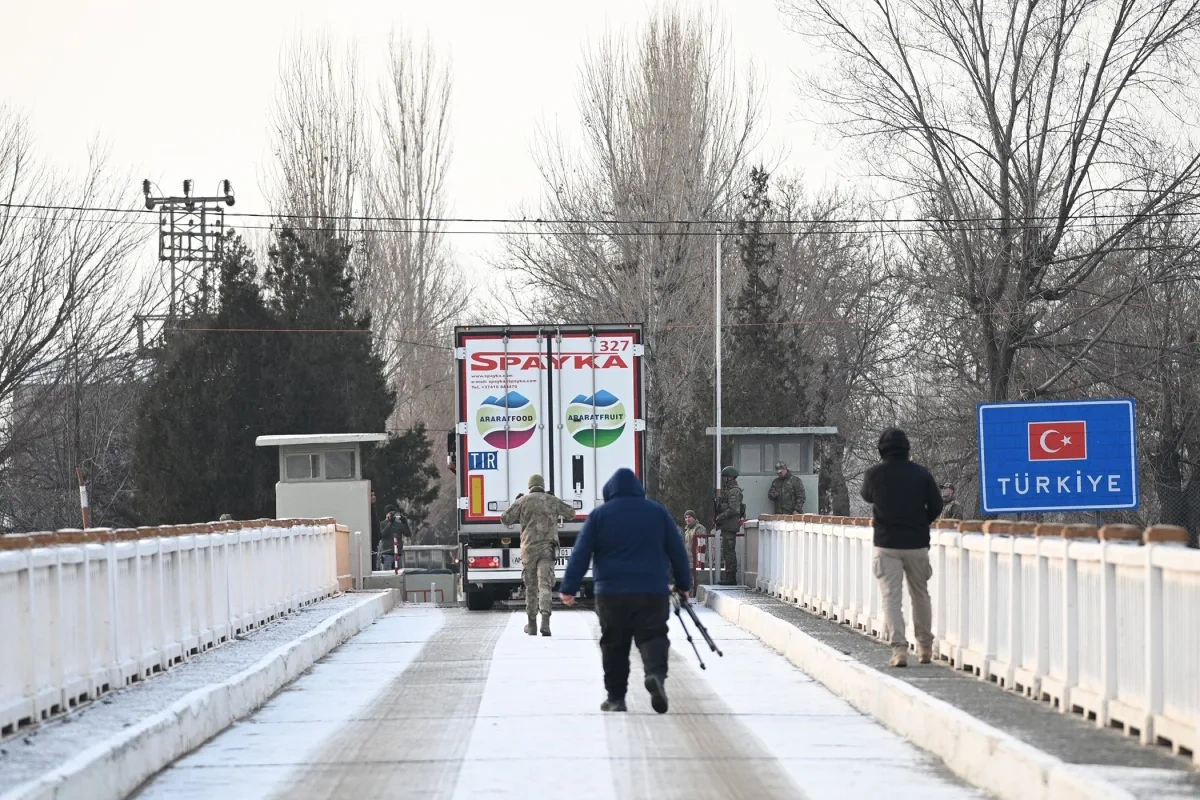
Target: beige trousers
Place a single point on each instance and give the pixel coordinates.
(891, 567)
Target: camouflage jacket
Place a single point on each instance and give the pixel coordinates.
(729, 507)
(788, 494)
(689, 537)
(950, 511)
(538, 513)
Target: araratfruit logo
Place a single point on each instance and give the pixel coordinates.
(517, 410)
(605, 410)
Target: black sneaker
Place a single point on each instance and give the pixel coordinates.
(658, 693)
(611, 704)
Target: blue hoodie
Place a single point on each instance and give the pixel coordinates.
(634, 542)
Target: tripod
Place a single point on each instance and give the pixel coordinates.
(680, 601)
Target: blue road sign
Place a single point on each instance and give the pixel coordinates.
(1078, 455)
(488, 459)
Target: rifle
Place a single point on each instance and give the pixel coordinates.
(680, 600)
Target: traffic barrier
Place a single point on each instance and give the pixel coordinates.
(85, 612)
(1104, 623)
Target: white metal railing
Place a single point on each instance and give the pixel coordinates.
(86, 612)
(1104, 623)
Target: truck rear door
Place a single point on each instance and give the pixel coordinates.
(562, 402)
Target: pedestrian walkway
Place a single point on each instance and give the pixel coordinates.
(1146, 772)
(445, 703)
(39, 750)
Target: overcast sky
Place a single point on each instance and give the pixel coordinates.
(182, 90)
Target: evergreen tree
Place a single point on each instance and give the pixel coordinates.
(312, 369)
(763, 382)
(402, 473)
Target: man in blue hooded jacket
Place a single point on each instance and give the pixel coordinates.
(634, 547)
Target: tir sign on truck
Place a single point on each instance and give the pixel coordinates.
(1058, 456)
(563, 402)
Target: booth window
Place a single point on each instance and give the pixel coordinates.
(750, 458)
(339, 465)
(303, 467)
(759, 456)
(791, 454)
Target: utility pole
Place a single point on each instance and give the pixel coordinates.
(716, 554)
(717, 349)
(83, 499)
(189, 238)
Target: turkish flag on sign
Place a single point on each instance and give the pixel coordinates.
(1057, 441)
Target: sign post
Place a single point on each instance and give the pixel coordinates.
(1078, 455)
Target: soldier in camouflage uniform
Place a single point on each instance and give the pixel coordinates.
(693, 529)
(538, 514)
(787, 491)
(950, 508)
(729, 520)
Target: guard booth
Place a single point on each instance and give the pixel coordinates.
(320, 475)
(754, 453)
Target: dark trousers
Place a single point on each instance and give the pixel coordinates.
(628, 618)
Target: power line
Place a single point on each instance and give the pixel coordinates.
(374, 218)
(815, 228)
(310, 330)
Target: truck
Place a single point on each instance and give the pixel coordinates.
(560, 401)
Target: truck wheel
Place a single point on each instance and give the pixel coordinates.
(479, 601)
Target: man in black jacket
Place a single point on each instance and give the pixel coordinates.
(905, 499)
(633, 545)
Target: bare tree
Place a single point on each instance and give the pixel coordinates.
(86, 424)
(1018, 129)
(68, 292)
(812, 330)
(668, 123)
(412, 286)
(319, 129)
(1152, 353)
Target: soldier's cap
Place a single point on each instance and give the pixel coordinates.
(947, 486)
(780, 465)
(690, 513)
(538, 481)
(729, 472)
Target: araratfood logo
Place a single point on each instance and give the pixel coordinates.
(605, 410)
(513, 408)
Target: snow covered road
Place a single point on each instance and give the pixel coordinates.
(445, 703)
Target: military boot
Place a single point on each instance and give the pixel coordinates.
(545, 624)
(656, 686)
(531, 626)
(613, 704)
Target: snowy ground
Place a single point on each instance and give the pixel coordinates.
(444, 703)
(32, 753)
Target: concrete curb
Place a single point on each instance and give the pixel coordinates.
(117, 766)
(975, 751)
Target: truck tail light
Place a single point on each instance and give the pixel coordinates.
(483, 562)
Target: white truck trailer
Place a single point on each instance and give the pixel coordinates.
(564, 402)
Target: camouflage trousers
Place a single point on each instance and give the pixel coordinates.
(729, 553)
(537, 573)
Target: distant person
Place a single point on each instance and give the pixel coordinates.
(786, 490)
(538, 513)
(635, 549)
(730, 511)
(691, 531)
(394, 529)
(375, 530)
(950, 507)
(905, 499)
